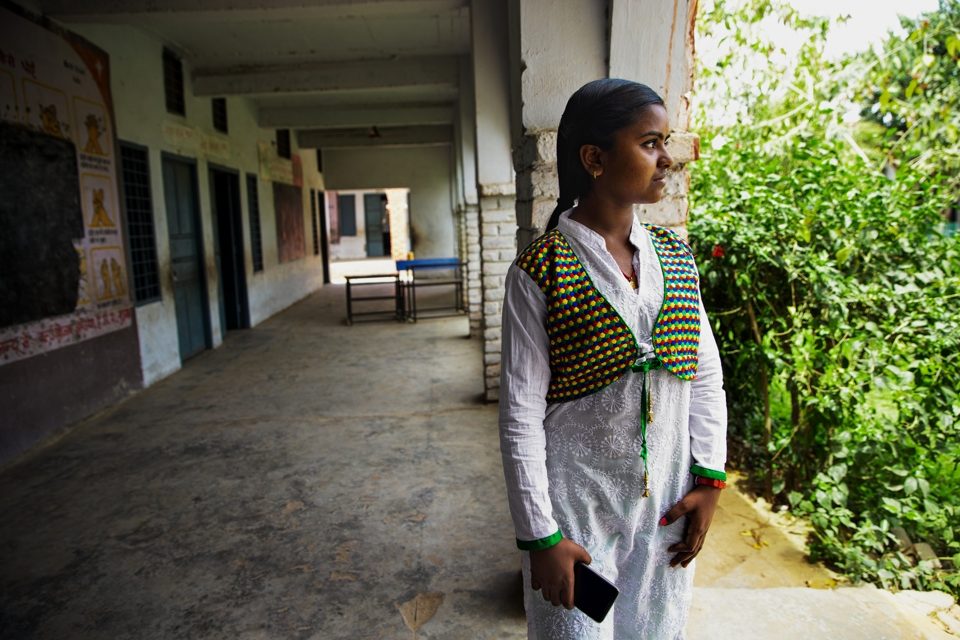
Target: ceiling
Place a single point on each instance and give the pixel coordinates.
(310, 60)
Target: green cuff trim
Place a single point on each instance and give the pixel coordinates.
(542, 543)
(697, 470)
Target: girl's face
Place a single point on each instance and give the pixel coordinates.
(633, 170)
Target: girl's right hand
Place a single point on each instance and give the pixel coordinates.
(551, 571)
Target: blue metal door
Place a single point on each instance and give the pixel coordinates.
(186, 256)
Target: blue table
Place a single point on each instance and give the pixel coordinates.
(411, 283)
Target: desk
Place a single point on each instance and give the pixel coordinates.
(411, 283)
(386, 280)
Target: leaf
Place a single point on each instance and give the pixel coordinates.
(910, 486)
(420, 609)
(837, 472)
(953, 46)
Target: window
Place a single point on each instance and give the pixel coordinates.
(140, 233)
(313, 222)
(283, 143)
(253, 204)
(173, 83)
(219, 106)
(347, 206)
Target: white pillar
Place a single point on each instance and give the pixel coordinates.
(495, 178)
(661, 54)
(558, 51)
(467, 159)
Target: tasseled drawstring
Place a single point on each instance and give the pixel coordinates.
(646, 411)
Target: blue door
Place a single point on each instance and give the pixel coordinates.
(375, 220)
(186, 256)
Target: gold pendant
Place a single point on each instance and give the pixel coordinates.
(646, 486)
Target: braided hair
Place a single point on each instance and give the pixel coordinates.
(593, 114)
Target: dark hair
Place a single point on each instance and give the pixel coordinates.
(594, 113)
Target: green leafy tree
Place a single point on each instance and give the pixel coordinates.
(911, 95)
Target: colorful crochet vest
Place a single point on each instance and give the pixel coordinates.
(591, 346)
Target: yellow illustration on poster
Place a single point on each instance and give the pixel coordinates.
(58, 84)
(108, 272)
(91, 127)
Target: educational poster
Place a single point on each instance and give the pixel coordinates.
(61, 245)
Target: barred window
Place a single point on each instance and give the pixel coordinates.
(253, 203)
(219, 106)
(283, 143)
(173, 83)
(140, 232)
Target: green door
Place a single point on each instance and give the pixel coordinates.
(186, 255)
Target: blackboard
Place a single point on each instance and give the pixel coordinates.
(40, 216)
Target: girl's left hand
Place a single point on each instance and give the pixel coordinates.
(698, 506)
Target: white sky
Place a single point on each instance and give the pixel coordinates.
(869, 20)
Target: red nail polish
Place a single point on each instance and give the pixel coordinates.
(663, 521)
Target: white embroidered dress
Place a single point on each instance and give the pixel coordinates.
(575, 466)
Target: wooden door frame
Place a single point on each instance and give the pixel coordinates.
(324, 235)
(215, 219)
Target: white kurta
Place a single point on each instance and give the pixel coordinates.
(576, 465)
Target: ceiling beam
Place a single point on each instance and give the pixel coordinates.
(424, 72)
(113, 11)
(347, 117)
(385, 137)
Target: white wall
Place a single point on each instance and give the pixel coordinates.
(137, 85)
(425, 170)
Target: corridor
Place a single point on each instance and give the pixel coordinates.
(299, 482)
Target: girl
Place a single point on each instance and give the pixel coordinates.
(612, 411)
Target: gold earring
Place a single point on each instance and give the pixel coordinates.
(595, 174)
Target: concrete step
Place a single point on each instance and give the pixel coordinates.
(798, 613)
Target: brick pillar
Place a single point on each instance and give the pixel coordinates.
(474, 288)
(498, 248)
(535, 162)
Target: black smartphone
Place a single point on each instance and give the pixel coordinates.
(592, 593)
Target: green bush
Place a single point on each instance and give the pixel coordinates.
(835, 302)
(835, 298)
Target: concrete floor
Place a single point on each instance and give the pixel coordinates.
(305, 480)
